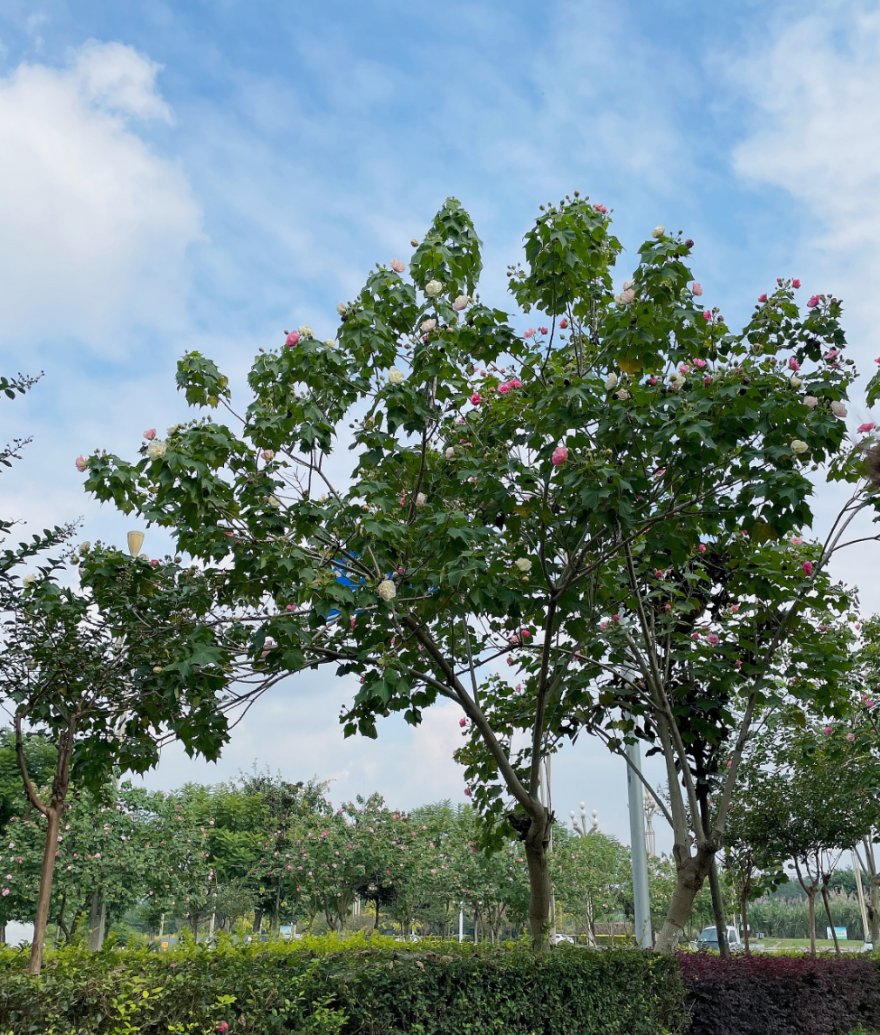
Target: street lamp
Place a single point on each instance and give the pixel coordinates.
(579, 823)
(135, 542)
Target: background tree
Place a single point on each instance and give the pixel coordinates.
(510, 491)
(591, 876)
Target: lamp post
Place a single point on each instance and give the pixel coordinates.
(650, 836)
(579, 822)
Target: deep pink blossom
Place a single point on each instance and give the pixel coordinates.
(559, 456)
(707, 380)
(150, 434)
(713, 639)
(795, 283)
(696, 289)
(462, 722)
(762, 298)
(292, 339)
(863, 429)
(812, 301)
(544, 330)
(702, 547)
(808, 567)
(793, 363)
(700, 364)
(828, 730)
(563, 324)
(707, 315)
(600, 208)
(530, 333)
(476, 398)
(504, 388)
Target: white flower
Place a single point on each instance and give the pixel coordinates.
(342, 308)
(658, 231)
(811, 401)
(274, 502)
(676, 381)
(395, 376)
(330, 343)
(625, 297)
(628, 285)
(305, 331)
(157, 449)
(427, 326)
(421, 499)
(611, 381)
(623, 395)
(461, 302)
(523, 563)
(795, 382)
(450, 452)
(433, 288)
(28, 580)
(838, 409)
(387, 590)
(797, 446)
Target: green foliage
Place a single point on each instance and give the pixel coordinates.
(323, 987)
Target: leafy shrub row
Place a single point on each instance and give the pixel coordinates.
(363, 988)
(781, 995)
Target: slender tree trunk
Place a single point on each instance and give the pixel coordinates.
(537, 842)
(874, 911)
(97, 920)
(2, 933)
(258, 921)
(718, 911)
(44, 896)
(690, 875)
(744, 911)
(827, 905)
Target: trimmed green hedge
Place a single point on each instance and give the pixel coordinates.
(355, 988)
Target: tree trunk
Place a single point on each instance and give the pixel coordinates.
(811, 905)
(2, 933)
(97, 920)
(690, 876)
(744, 911)
(827, 905)
(258, 921)
(537, 842)
(718, 911)
(47, 873)
(874, 911)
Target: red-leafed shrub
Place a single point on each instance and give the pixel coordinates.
(781, 995)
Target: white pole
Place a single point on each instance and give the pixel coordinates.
(857, 873)
(461, 921)
(641, 899)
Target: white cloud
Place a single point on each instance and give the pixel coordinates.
(94, 224)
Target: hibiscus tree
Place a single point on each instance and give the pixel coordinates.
(511, 489)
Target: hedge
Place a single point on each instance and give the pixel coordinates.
(781, 995)
(364, 988)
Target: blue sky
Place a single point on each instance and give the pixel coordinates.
(205, 174)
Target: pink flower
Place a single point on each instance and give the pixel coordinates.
(292, 339)
(563, 324)
(503, 389)
(510, 659)
(615, 618)
(468, 793)
(603, 625)
(812, 301)
(526, 635)
(150, 434)
(796, 540)
(397, 265)
(513, 639)
(684, 368)
(808, 567)
(600, 208)
(738, 663)
(291, 607)
(707, 380)
(476, 398)
(81, 463)
(154, 563)
(863, 429)
(515, 382)
(695, 636)
(667, 608)
(795, 283)
(831, 355)
(700, 364)
(659, 472)
(762, 298)
(850, 737)
(4, 892)
(713, 639)
(793, 363)
(707, 315)
(729, 763)
(828, 730)
(696, 289)
(559, 456)
(530, 333)
(222, 1028)
(653, 379)
(544, 330)
(462, 723)
(702, 547)
(734, 608)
